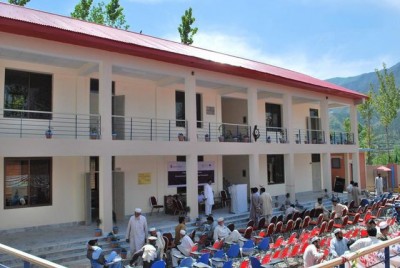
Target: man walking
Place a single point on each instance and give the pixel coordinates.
(209, 197)
(136, 231)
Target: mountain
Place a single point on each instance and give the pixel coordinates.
(361, 82)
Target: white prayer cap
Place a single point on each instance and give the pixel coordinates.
(337, 230)
(152, 238)
(138, 210)
(315, 238)
(383, 225)
(220, 219)
(152, 229)
(182, 232)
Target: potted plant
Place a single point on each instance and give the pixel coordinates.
(207, 137)
(246, 138)
(268, 139)
(49, 133)
(181, 137)
(98, 232)
(94, 133)
(114, 136)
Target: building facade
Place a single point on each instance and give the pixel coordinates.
(95, 119)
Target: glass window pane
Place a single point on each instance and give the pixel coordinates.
(40, 182)
(16, 182)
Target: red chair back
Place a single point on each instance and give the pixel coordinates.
(270, 229)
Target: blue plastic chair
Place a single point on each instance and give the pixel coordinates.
(158, 264)
(233, 251)
(227, 264)
(186, 262)
(263, 245)
(219, 254)
(255, 263)
(248, 248)
(205, 258)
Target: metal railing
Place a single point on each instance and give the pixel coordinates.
(384, 245)
(309, 136)
(148, 129)
(28, 259)
(273, 135)
(48, 125)
(223, 132)
(341, 137)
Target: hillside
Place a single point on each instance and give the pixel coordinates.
(361, 82)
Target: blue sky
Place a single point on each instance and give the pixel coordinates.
(321, 38)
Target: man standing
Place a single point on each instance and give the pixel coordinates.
(338, 244)
(255, 205)
(136, 231)
(266, 201)
(356, 192)
(379, 185)
(349, 189)
(311, 255)
(209, 197)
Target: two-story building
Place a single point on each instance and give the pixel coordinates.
(95, 119)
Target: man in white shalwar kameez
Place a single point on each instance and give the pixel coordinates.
(209, 197)
(184, 248)
(160, 243)
(266, 201)
(379, 185)
(136, 231)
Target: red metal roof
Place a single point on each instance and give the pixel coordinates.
(39, 24)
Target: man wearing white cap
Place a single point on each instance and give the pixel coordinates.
(209, 197)
(221, 231)
(184, 248)
(384, 231)
(149, 253)
(160, 243)
(136, 231)
(311, 255)
(338, 244)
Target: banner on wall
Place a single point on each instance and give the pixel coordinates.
(144, 178)
(177, 173)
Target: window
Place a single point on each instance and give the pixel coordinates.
(273, 116)
(27, 182)
(180, 109)
(275, 169)
(335, 163)
(28, 91)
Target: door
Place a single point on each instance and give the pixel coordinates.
(118, 195)
(118, 123)
(88, 200)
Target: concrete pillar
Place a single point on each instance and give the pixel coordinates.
(105, 99)
(191, 185)
(190, 107)
(347, 170)
(326, 171)
(289, 176)
(254, 170)
(287, 117)
(354, 123)
(355, 157)
(325, 119)
(252, 109)
(105, 192)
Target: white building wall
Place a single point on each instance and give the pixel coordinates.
(303, 172)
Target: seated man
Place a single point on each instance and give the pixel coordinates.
(209, 227)
(320, 205)
(160, 243)
(149, 253)
(221, 231)
(290, 210)
(97, 259)
(184, 248)
(234, 236)
(338, 208)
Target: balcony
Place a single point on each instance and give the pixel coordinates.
(34, 124)
(341, 137)
(223, 132)
(273, 135)
(309, 136)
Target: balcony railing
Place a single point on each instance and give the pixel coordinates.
(273, 135)
(223, 132)
(30, 124)
(149, 129)
(341, 137)
(309, 136)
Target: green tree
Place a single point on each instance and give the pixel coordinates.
(110, 14)
(18, 2)
(82, 10)
(367, 113)
(185, 28)
(387, 101)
